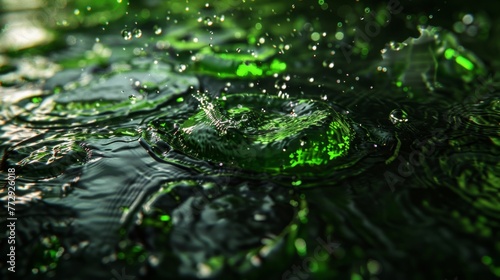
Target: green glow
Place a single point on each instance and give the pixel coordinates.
(300, 246)
(486, 260)
(465, 63)
(278, 66)
(336, 145)
(449, 53)
(36, 99)
(239, 63)
(252, 68)
(373, 266)
(297, 183)
(313, 266)
(496, 271)
(180, 99)
(356, 276)
(165, 218)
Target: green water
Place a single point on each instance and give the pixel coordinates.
(250, 139)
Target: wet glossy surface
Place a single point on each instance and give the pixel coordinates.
(250, 141)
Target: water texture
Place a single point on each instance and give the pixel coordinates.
(250, 139)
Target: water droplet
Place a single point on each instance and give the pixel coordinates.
(208, 21)
(132, 97)
(468, 19)
(182, 68)
(157, 30)
(328, 64)
(137, 32)
(398, 116)
(126, 34)
(280, 85)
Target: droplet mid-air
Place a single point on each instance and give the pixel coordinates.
(126, 34)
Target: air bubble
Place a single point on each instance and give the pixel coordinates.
(137, 32)
(126, 34)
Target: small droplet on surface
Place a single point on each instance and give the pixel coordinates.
(398, 116)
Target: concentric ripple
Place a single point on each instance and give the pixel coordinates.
(263, 133)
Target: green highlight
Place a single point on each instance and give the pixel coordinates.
(300, 246)
(461, 60)
(373, 266)
(278, 66)
(297, 183)
(36, 99)
(465, 63)
(244, 70)
(487, 260)
(242, 64)
(356, 276)
(165, 218)
(449, 53)
(337, 145)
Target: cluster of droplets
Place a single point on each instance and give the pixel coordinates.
(128, 34)
(470, 25)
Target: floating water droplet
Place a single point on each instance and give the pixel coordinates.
(182, 68)
(328, 64)
(398, 116)
(126, 34)
(468, 19)
(208, 21)
(157, 30)
(137, 32)
(280, 85)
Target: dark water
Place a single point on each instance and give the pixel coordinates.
(250, 140)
